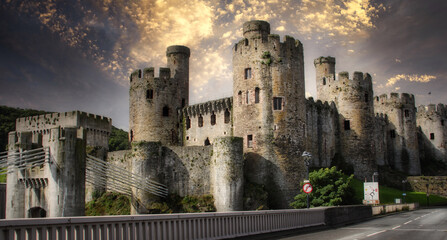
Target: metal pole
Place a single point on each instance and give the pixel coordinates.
(428, 196)
(307, 164)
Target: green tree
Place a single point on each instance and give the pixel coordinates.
(119, 140)
(330, 188)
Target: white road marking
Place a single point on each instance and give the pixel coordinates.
(395, 227)
(408, 222)
(372, 234)
(417, 218)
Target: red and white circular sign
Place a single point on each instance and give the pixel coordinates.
(307, 188)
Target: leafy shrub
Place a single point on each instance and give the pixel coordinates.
(330, 188)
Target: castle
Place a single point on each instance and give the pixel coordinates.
(259, 134)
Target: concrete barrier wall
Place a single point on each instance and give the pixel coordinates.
(335, 216)
(2, 200)
(382, 209)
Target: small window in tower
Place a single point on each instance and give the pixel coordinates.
(213, 119)
(131, 135)
(247, 97)
(246, 42)
(324, 81)
(207, 142)
(347, 125)
(227, 116)
(200, 121)
(188, 123)
(183, 102)
(139, 73)
(366, 97)
(239, 97)
(277, 103)
(442, 122)
(393, 133)
(165, 111)
(432, 136)
(407, 113)
(149, 94)
(377, 99)
(257, 95)
(247, 73)
(249, 141)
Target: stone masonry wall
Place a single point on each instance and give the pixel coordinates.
(321, 130)
(402, 139)
(211, 126)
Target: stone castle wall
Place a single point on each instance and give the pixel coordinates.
(432, 120)
(321, 132)
(401, 131)
(204, 122)
(98, 127)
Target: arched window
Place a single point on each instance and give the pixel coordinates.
(324, 81)
(188, 123)
(227, 116)
(257, 95)
(246, 42)
(200, 121)
(247, 97)
(165, 111)
(37, 212)
(213, 118)
(207, 142)
(239, 97)
(247, 74)
(149, 94)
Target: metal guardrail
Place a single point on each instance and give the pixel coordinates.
(162, 226)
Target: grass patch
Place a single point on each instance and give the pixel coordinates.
(387, 195)
(109, 203)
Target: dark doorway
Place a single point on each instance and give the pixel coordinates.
(37, 212)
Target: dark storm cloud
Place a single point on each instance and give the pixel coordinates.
(40, 71)
(410, 40)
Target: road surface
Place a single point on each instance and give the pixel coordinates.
(426, 224)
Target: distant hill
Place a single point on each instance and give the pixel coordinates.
(119, 139)
(8, 116)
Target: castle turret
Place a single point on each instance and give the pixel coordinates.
(269, 108)
(401, 133)
(354, 101)
(178, 62)
(154, 101)
(432, 120)
(325, 75)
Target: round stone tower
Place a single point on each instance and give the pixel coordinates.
(154, 101)
(325, 75)
(178, 62)
(354, 101)
(269, 109)
(402, 131)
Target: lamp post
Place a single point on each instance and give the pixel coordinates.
(374, 174)
(428, 195)
(404, 194)
(307, 157)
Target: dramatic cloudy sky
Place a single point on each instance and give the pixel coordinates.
(77, 55)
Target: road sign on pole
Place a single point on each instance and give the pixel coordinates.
(307, 188)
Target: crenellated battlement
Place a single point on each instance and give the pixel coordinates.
(311, 103)
(321, 60)
(356, 77)
(148, 73)
(178, 49)
(396, 98)
(65, 119)
(271, 43)
(433, 109)
(207, 107)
